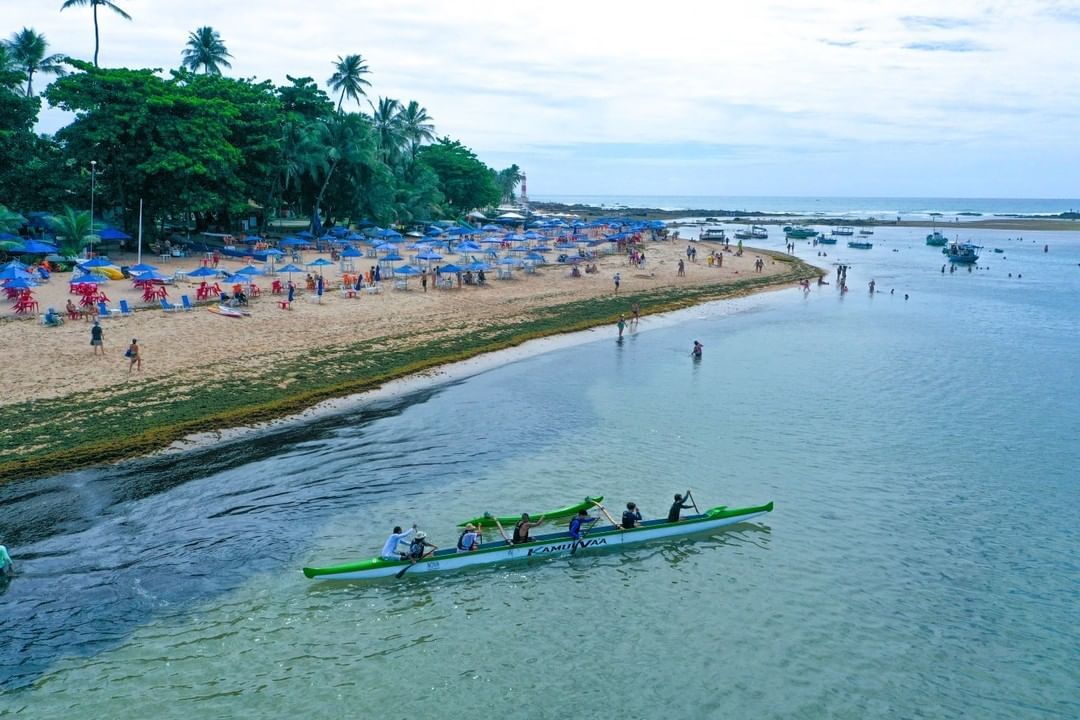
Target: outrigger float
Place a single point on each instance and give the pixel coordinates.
(542, 546)
(566, 512)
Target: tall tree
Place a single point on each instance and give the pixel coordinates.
(465, 181)
(94, 4)
(388, 131)
(348, 77)
(27, 50)
(416, 126)
(206, 49)
(10, 221)
(508, 179)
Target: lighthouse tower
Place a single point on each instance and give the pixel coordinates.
(524, 193)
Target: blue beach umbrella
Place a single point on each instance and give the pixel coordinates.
(290, 268)
(509, 261)
(86, 279)
(36, 247)
(274, 252)
(203, 271)
(542, 248)
(536, 257)
(305, 234)
(20, 284)
(249, 270)
(429, 255)
(351, 252)
(407, 270)
(109, 234)
(292, 242)
(452, 268)
(391, 257)
(478, 266)
(141, 268)
(100, 261)
(13, 273)
(467, 246)
(149, 275)
(320, 262)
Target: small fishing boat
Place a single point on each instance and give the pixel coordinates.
(542, 546)
(998, 250)
(963, 253)
(716, 234)
(866, 232)
(799, 232)
(487, 520)
(936, 239)
(860, 245)
(826, 240)
(758, 232)
(843, 230)
(743, 234)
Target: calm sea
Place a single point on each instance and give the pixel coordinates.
(921, 561)
(852, 207)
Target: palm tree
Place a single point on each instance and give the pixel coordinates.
(348, 77)
(94, 4)
(74, 229)
(10, 221)
(10, 75)
(508, 179)
(205, 49)
(386, 116)
(27, 51)
(416, 125)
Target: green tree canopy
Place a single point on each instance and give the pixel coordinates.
(465, 181)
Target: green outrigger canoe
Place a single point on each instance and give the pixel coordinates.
(562, 513)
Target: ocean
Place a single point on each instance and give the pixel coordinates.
(882, 208)
(919, 444)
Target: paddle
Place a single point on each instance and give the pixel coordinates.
(405, 569)
(498, 524)
(691, 497)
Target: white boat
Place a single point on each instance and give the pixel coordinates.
(716, 234)
(843, 230)
(757, 232)
(542, 546)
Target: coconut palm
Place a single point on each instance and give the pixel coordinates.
(348, 77)
(74, 230)
(10, 221)
(507, 180)
(416, 125)
(205, 49)
(27, 49)
(10, 75)
(389, 133)
(94, 4)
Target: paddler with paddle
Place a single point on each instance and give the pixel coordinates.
(679, 505)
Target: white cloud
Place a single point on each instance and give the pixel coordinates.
(786, 88)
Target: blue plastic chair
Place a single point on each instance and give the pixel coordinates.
(124, 309)
(103, 310)
(186, 303)
(167, 306)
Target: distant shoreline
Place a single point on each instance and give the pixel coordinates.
(1067, 221)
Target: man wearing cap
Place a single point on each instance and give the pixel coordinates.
(418, 545)
(470, 539)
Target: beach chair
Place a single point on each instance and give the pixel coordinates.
(167, 306)
(104, 311)
(51, 318)
(401, 285)
(372, 289)
(186, 303)
(124, 309)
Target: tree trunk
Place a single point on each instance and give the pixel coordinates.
(326, 184)
(97, 39)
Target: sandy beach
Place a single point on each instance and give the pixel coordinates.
(199, 346)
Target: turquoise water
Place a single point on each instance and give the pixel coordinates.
(921, 561)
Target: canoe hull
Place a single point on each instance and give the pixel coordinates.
(544, 546)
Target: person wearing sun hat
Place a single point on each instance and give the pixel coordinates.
(470, 539)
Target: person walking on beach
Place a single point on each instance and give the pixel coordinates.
(97, 338)
(617, 280)
(621, 325)
(423, 280)
(319, 287)
(134, 354)
(682, 269)
(636, 310)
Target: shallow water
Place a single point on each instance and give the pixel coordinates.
(921, 561)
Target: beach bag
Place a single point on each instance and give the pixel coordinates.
(128, 353)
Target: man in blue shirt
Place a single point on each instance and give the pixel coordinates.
(582, 518)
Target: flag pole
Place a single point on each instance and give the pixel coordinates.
(139, 261)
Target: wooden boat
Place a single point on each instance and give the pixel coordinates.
(799, 232)
(542, 546)
(826, 240)
(866, 232)
(962, 253)
(716, 234)
(487, 520)
(843, 230)
(758, 232)
(860, 245)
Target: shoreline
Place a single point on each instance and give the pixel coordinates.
(699, 216)
(127, 418)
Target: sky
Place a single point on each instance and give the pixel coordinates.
(944, 98)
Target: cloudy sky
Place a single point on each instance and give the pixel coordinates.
(755, 97)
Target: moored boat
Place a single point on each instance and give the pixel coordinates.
(542, 546)
(936, 239)
(799, 232)
(564, 512)
(964, 253)
(843, 230)
(758, 232)
(866, 232)
(860, 245)
(716, 234)
(826, 240)
(743, 234)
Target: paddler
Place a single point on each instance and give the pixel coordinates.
(416, 547)
(7, 568)
(390, 547)
(677, 506)
(631, 516)
(469, 540)
(521, 530)
(582, 518)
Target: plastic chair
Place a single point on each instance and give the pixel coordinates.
(186, 303)
(124, 309)
(167, 306)
(104, 311)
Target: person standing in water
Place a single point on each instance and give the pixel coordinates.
(696, 352)
(621, 325)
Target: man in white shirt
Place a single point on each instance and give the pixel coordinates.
(390, 548)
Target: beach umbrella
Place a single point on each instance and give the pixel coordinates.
(305, 234)
(141, 268)
(451, 268)
(435, 230)
(86, 279)
(478, 266)
(292, 242)
(15, 264)
(13, 273)
(290, 268)
(320, 262)
(467, 246)
(386, 246)
(407, 270)
(150, 276)
(535, 257)
(491, 228)
(533, 235)
(274, 252)
(203, 271)
(20, 284)
(429, 255)
(36, 247)
(388, 233)
(509, 261)
(391, 257)
(99, 261)
(351, 252)
(109, 234)
(250, 270)
(541, 248)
